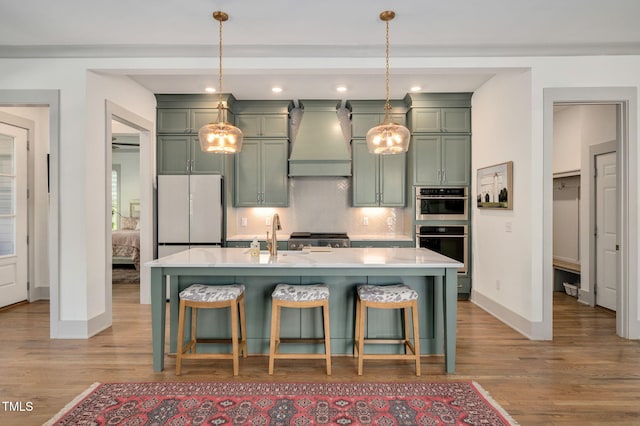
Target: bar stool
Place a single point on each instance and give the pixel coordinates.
(200, 296)
(299, 296)
(396, 296)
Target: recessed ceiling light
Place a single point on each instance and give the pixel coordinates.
(210, 89)
(416, 88)
(276, 89)
(341, 89)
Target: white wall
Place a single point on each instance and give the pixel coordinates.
(124, 92)
(501, 128)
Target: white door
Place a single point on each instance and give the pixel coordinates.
(606, 231)
(13, 214)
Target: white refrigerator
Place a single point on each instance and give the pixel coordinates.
(190, 212)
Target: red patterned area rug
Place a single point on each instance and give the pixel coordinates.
(192, 403)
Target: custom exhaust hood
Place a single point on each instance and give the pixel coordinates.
(320, 147)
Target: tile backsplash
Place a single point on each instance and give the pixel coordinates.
(320, 204)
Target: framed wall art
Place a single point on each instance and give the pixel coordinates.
(495, 187)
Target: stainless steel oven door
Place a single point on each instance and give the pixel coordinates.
(441, 207)
(453, 246)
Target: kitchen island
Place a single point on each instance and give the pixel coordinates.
(434, 277)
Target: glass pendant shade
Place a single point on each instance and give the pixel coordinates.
(388, 138)
(220, 138)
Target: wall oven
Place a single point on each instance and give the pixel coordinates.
(449, 240)
(445, 203)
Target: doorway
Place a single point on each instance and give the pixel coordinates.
(141, 208)
(627, 324)
(582, 130)
(125, 204)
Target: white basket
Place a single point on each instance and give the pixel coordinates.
(570, 289)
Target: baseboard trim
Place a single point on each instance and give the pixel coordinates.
(529, 329)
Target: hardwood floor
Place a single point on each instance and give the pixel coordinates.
(586, 375)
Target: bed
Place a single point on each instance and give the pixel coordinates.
(125, 243)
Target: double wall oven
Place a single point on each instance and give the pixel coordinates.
(444, 211)
(449, 240)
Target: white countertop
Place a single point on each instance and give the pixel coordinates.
(355, 237)
(336, 258)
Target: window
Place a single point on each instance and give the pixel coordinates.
(115, 197)
(7, 196)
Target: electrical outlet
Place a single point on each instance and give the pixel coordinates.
(243, 222)
(390, 220)
(498, 285)
(507, 226)
(267, 220)
(365, 221)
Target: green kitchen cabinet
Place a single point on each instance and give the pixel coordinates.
(181, 154)
(263, 125)
(441, 159)
(378, 180)
(261, 174)
(362, 123)
(440, 120)
(186, 120)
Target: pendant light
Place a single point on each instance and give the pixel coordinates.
(388, 137)
(220, 137)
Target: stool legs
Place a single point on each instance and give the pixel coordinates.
(411, 349)
(274, 345)
(327, 336)
(275, 335)
(238, 332)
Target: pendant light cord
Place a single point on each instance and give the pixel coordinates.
(220, 73)
(387, 105)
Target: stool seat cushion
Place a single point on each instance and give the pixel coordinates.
(301, 293)
(211, 293)
(387, 293)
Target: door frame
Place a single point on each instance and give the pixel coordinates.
(147, 184)
(594, 151)
(627, 319)
(50, 99)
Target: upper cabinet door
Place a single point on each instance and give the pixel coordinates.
(426, 120)
(365, 182)
(456, 164)
(393, 180)
(362, 123)
(173, 120)
(200, 117)
(173, 154)
(263, 125)
(248, 189)
(275, 180)
(275, 126)
(205, 162)
(426, 157)
(456, 120)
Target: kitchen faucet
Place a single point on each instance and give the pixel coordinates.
(272, 244)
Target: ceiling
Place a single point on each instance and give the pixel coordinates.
(310, 47)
